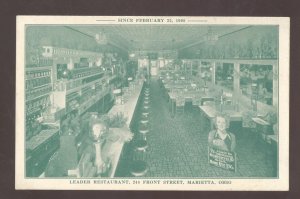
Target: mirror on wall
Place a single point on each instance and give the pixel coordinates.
(256, 81)
(224, 75)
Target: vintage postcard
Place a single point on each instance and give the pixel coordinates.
(152, 103)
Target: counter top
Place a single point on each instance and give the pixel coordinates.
(117, 148)
(260, 121)
(40, 138)
(129, 106)
(128, 110)
(112, 148)
(211, 113)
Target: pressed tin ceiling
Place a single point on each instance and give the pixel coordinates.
(154, 37)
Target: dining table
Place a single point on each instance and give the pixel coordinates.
(209, 112)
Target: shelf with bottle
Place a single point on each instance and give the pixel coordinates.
(37, 104)
(78, 98)
(82, 92)
(64, 100)
(38, 92)
(63, 52)
(37, 89)
(36, 62)
(77, 84)
(92, 100)
(87, 71)
(32, 73)
(96, 83)
(35, 79)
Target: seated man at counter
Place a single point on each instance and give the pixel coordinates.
(97, 154)
(220, 138)
(100, 147)
(94, 146)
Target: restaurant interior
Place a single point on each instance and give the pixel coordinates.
(126, 101)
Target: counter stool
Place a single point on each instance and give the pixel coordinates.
(144, 120)
(146, 107)
(147, 98)
(144, 130)
(146, 101)
(140, 148)
(145, 114)
(139, 167)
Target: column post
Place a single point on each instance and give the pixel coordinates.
(213, 72)
(236, 79)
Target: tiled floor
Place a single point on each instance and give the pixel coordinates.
(178, 146)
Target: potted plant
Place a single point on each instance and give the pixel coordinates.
(118, 130)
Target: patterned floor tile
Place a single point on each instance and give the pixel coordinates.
(178, 146)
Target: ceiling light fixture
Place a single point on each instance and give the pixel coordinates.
(101, 38)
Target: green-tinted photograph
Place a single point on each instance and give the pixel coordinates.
(151, 101)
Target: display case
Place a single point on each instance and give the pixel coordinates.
(81, 93)
(39, 149)
(38, 88)
(57, 96)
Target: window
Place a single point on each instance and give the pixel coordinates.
(257, 81)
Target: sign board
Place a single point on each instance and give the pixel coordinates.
(223, 159)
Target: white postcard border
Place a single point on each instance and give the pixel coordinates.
(280, 184)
